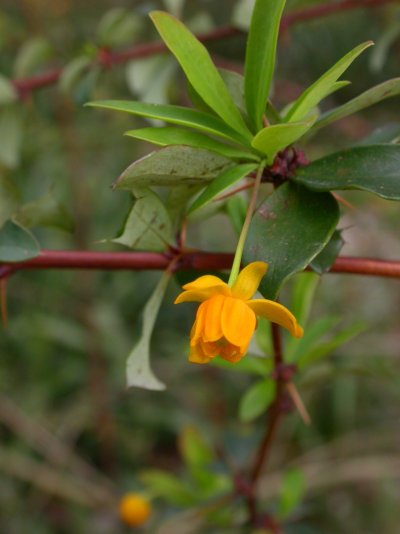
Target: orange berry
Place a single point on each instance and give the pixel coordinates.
(134, 509)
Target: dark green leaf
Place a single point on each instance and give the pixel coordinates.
(257, 399)
(191, 118)
(323, 86)
(199, 69)
(327, 257)
(169, 135)
(374, 168)
(221, 183)
(148, 226)
(368, 98)
(260, 57)
(288, 230)
(174, 165)
(17, 243)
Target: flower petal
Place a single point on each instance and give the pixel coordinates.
(238, 321)
(232, 353)
(276, 313)
(212, 330)
(205, 282)
(196, 355)
(199, 295)
(249, 279)
(198, 326)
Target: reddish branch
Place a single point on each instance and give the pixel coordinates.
(109, 58)
(73, 259)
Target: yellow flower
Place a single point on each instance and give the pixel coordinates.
(226, 318)
(134, 509)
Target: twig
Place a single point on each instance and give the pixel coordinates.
(198, 260)
(3, 301)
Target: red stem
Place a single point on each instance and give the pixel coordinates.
(75, 259)
(110, 58)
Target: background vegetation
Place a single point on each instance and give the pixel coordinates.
(63, 352)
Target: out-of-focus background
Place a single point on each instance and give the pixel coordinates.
(62, 367)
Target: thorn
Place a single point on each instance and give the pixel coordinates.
(298, 402)
(343, 201)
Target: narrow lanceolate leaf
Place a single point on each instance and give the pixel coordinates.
(260, 57)
(178, 136)
(199, 68)
(319, 89)
(174, 165)
(274, 138)
(148, 226)
(374, 168)
(222, 182)
(138, 368)
(368, 98)
(17, 243)
(288, 230)
(190, 118)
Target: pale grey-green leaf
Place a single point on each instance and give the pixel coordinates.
(138, 370)
(174, 165)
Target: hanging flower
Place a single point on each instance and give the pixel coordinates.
(226, 318)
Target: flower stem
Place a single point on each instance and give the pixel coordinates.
(245, 229)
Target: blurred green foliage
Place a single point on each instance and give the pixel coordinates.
(63, 352)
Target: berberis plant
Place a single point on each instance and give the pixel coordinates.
(234, 133)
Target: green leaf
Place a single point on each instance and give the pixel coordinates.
(118, 27)
(168, 487)
(45, 211)
(178, 136)
(138, 371)
(11, 131)
(257, 399)
(288, 230)
(8, 93)
(32, 55)
(221, 183)
(17, 243)
(291, 492)
(274, 138)
(253, 365)
(191, 118)
(194, 450)
(174, 165)
(177, 201)
(9, 199)
(148, 226)
(199, 68)
(390, 133)
(236, 208)
(324, 349)
(319, 89)
(73, 73)
(150, 78)
(303, 294)
(374, 168)
(368, 98)
(327, 257)
(260, 57)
